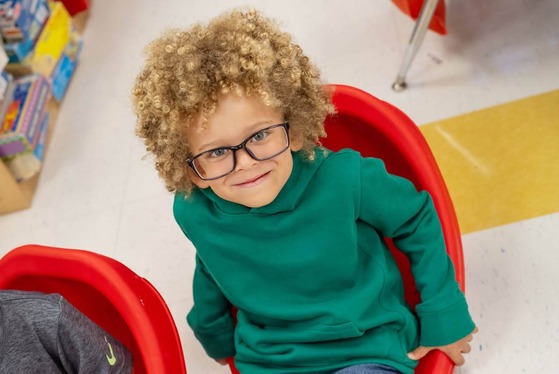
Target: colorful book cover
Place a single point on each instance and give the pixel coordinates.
(24, 116)
(39, 151)
(22, 19)
(66, 65)
(52, 41)
(28, 164)
(21, 23)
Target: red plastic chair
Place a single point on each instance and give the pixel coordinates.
(109, 293)
(378, 129)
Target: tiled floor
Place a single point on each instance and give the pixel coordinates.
(97, 193)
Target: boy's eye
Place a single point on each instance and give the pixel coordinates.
(259, 136)
(220, 152)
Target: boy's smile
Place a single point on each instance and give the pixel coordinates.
(252, 183)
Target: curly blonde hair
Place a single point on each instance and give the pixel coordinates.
(240, 52)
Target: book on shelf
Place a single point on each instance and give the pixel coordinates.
(21, 22)
(28, 164)
(25, 108)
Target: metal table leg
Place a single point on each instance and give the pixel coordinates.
(417, 36)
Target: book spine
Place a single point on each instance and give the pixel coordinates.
(28, 105)
(38, 113)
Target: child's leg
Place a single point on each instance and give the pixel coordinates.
(368, 369)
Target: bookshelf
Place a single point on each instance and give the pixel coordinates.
(17, 195)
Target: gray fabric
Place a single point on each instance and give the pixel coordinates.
(45, 334)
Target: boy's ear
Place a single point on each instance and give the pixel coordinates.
(296, 141)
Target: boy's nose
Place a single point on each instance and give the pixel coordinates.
(244, 160)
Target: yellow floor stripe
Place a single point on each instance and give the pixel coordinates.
(501, 164)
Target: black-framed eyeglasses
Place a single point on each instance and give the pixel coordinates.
(262, 145)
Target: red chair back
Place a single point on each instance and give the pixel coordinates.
(109, 293)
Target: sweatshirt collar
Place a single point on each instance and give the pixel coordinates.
(290, 194)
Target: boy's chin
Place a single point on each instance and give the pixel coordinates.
(257, 200)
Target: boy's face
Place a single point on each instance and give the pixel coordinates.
(252, 183)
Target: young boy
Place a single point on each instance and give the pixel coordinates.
(289, 233)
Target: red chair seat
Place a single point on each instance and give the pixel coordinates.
(110, 294)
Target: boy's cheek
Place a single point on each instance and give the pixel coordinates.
(200, 183)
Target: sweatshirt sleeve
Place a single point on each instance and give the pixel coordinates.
(393, 206)
(210, 317)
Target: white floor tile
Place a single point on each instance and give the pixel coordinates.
(143, 180)
(95, 231)
(511, 281)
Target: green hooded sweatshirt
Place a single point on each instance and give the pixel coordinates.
(313, 281)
